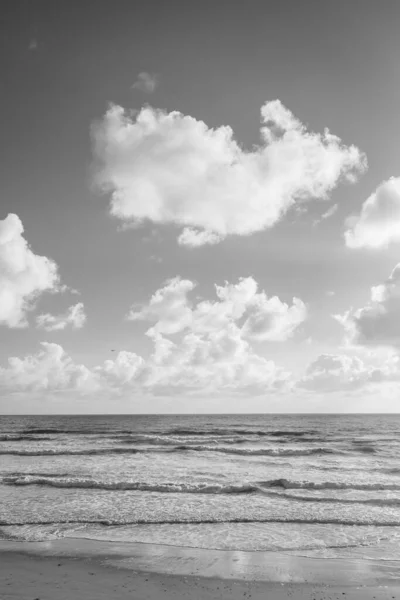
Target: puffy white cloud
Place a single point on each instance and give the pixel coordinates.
(51, 369)
(377, 323)
(74, 316)
(125, 369)
(256, 316)
(211, 348)
(378, 224)
(171, 168)
(145, 82)
(23, 274)
(333, 373)
(169, 307)
(219, 361)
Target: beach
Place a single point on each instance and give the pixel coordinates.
(200, 507)
(29, 576)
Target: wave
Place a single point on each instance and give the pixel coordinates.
(227, 432)
(10, 437)
(160, 440)
(86, 452)
(59, 482)
(179, 431)
(62, 480)
(275, 452)
(56, 431)
(259, 451)
(327, 485)
(330, 500)
(211, 521)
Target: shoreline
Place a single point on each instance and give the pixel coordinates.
(55, 573)
(267, 566)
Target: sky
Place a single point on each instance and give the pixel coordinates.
(199, 207)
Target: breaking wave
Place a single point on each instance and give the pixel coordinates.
(71, 482)
(326, 485)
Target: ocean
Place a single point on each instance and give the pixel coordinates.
(322, 486)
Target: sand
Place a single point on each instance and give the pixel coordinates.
(38, 574)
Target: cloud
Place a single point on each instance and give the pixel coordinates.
(124, 370)
(252, 313)
(192, 238)
(333, 373)
(24, 276)
(327, 215)
(145, 83)
(378, 223)
(51, 369)
(169, 168)
(199, 347)
(377, 323)
(74, 316)
(208, 344)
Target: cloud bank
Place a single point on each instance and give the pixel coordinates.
(341, 372)
(169, 168)
(198, 347)
(24, 276)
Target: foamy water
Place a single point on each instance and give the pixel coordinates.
(311, 485)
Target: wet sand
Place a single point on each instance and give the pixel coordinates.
(68, 570)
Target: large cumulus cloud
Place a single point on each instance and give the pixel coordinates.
(171, 168)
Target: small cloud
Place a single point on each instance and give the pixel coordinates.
(145, 82)
(327, 215)
(330, 293)
(75, 317)
(193, 238)
(33, 45)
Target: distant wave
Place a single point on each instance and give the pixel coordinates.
(84, 452)
(276, 452)
(161, 440)
(175, 431)
(229, 431)
(326, 485)
(211, 521)
(259, 451)
(11, 437)
(55, 430)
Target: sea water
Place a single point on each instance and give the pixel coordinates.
(311, 485)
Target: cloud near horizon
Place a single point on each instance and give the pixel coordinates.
(197, 347)
(169, 168)
(340, 372)
(24, 275)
